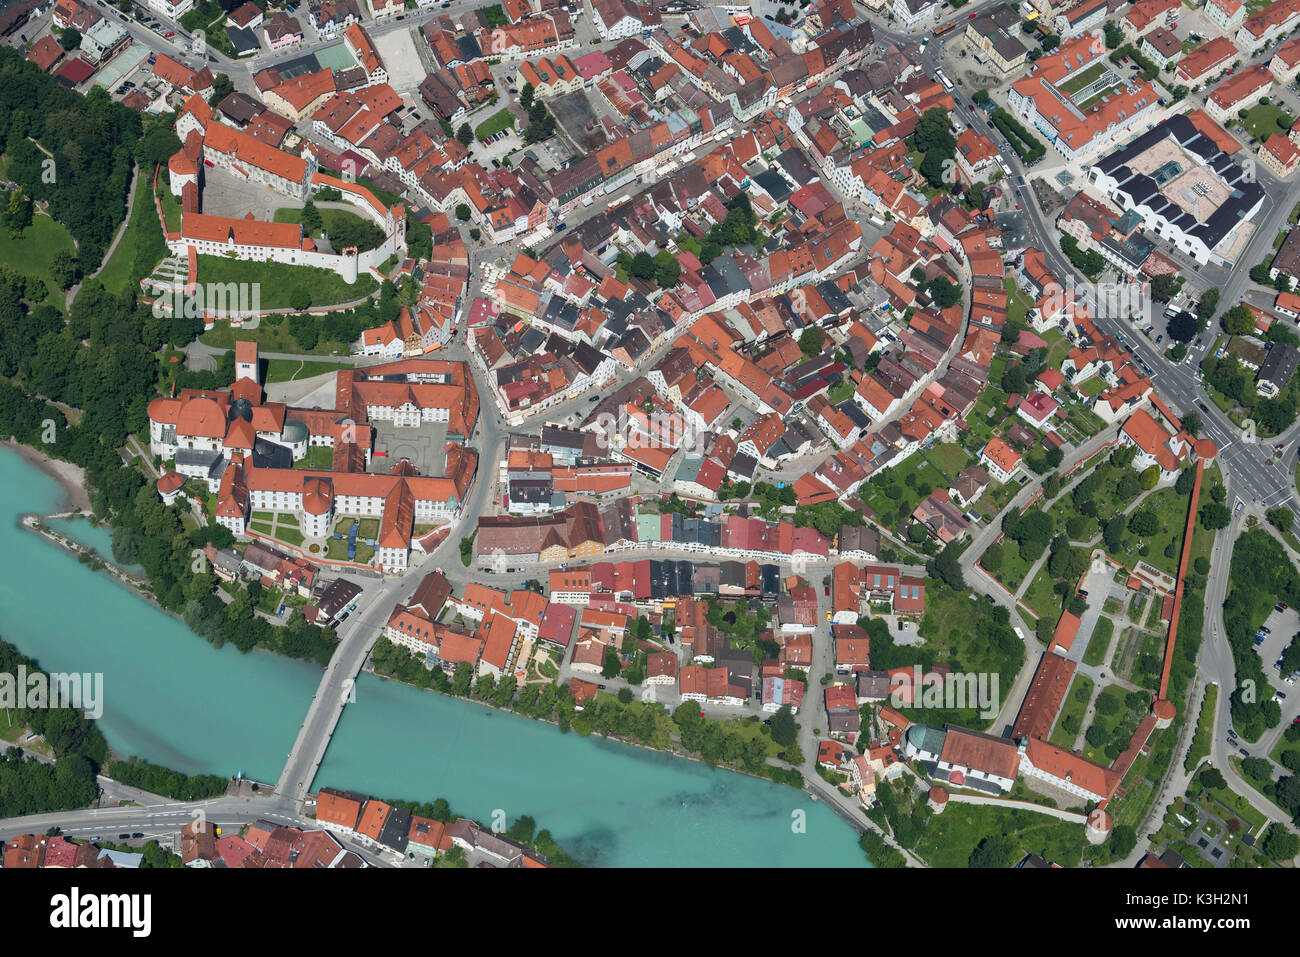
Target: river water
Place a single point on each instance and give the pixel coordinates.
(172, 698)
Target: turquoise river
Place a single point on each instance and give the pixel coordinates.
(172, 698)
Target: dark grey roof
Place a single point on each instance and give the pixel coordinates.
(1280, 364)
(1143, 189)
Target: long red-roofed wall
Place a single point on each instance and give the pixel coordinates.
(1182, 572)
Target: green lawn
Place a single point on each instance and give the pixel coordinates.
(288, 535)
(1264, 120)
(1099, 643)
(948, 458)
(269, 338)
(279, 282)
(949, 839)
(31, 252)
(1200, 746)
(332, 218)
(1013, 569)
(1171, 510)
(1107, 721)
(171, 207)
(894, 495)
(318, 457)
(1018, 304)
(498, 121)
(840, 393)
(1077, 83)
(1070, 721)
(142, 229)
(288, 370)
(957, 628)
(1040, 597)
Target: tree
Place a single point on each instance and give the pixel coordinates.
(1186, 479)
(300, 299)
(63, 267)
(991, 852)
(785, 731)
(1183, 327)
(1280, 844)
(943, 292)
(312, 221)
(1114, 36)
(465, 134)
(643, 266)
(946, 566)
(70, 39)
(667, 270)
(1165, 286)
(1192, 423)
(612, 664)
(1214, 516)
(222, 87)
(812, 340)
(462, 212)
(1113, 533)
(992, 560)
(1212, 779)
(1208, 303)
(1144, 522)
(526, 96)
(1280, 518)
(1239, 321)
(18, 214)
(1123, 838)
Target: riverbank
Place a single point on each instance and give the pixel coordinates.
(71, 478)
(88, 556)
(369, 668)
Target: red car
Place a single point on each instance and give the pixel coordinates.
(169, 34)
(971, 17)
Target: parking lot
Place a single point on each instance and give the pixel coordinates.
(1282, 627)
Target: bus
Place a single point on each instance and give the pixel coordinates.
(940, 31)
(943, 78)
